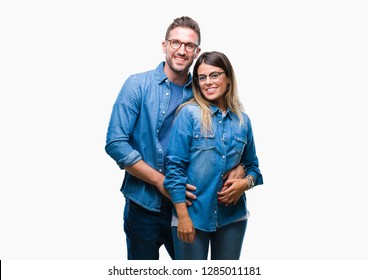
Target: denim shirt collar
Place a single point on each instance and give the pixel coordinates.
(216, 110)
(162, 77)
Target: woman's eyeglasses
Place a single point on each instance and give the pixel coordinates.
(214, 77)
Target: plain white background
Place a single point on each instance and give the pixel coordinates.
(302, 73)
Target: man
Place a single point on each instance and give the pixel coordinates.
(138, 136)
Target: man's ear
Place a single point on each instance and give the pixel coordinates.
(197, 52)
(164, 47)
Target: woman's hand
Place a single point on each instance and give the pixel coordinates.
(186, 231)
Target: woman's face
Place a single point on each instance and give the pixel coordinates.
(213, 83)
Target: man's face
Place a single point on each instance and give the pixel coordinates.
(181, 49)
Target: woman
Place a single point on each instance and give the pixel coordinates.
(211, 135)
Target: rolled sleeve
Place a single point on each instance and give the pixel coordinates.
(131, 159)
(122, 121)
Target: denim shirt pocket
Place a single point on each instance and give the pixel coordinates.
(239, 143)
(203, 141)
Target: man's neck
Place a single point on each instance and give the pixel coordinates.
(178, 78)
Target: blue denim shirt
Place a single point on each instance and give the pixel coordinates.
(136, 120)
(202, 160)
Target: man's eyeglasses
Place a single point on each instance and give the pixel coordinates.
(214, 76)
(176, 44)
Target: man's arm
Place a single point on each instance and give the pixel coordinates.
(146, 173)
(237, 172)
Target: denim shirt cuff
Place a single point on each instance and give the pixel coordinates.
(131, 159)
(258, 178)
(178, 196)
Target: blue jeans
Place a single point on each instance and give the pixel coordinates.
(226, 243)
(147, 231)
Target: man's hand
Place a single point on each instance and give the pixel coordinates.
(232, 191)
(232, 196)
(237, 172)
(190, 195)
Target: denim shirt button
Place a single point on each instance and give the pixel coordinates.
(163, 112)
(160, 170)
(167, 93)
